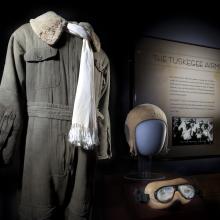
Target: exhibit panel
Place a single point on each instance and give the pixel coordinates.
(184, 81)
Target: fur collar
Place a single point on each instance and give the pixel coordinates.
(50, 26)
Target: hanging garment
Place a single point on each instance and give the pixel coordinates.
(37, 95)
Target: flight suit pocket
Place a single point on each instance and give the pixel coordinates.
(42, 68)
(62, 155)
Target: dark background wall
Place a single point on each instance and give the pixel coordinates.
(118, 28)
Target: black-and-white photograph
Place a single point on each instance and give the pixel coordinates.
(192, 131)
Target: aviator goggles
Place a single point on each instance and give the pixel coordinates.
(165, 194)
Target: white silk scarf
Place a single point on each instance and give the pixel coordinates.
(83, 131)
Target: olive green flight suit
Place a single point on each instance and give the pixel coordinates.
(38, 89)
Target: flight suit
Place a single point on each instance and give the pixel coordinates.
(37, 95)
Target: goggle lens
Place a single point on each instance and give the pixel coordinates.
(187, 191)
(165, 193)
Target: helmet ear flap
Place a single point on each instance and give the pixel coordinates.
(127, 134)
(130, 140)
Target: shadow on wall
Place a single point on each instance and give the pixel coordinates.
(187, 29)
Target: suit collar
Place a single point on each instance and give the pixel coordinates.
(50, 26)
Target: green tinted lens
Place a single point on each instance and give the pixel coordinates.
(165, 193)
(187, 191)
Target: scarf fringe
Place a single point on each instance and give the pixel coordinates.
(83, 137)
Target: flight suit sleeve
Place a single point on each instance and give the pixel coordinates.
(104, 148)
(12, 90)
